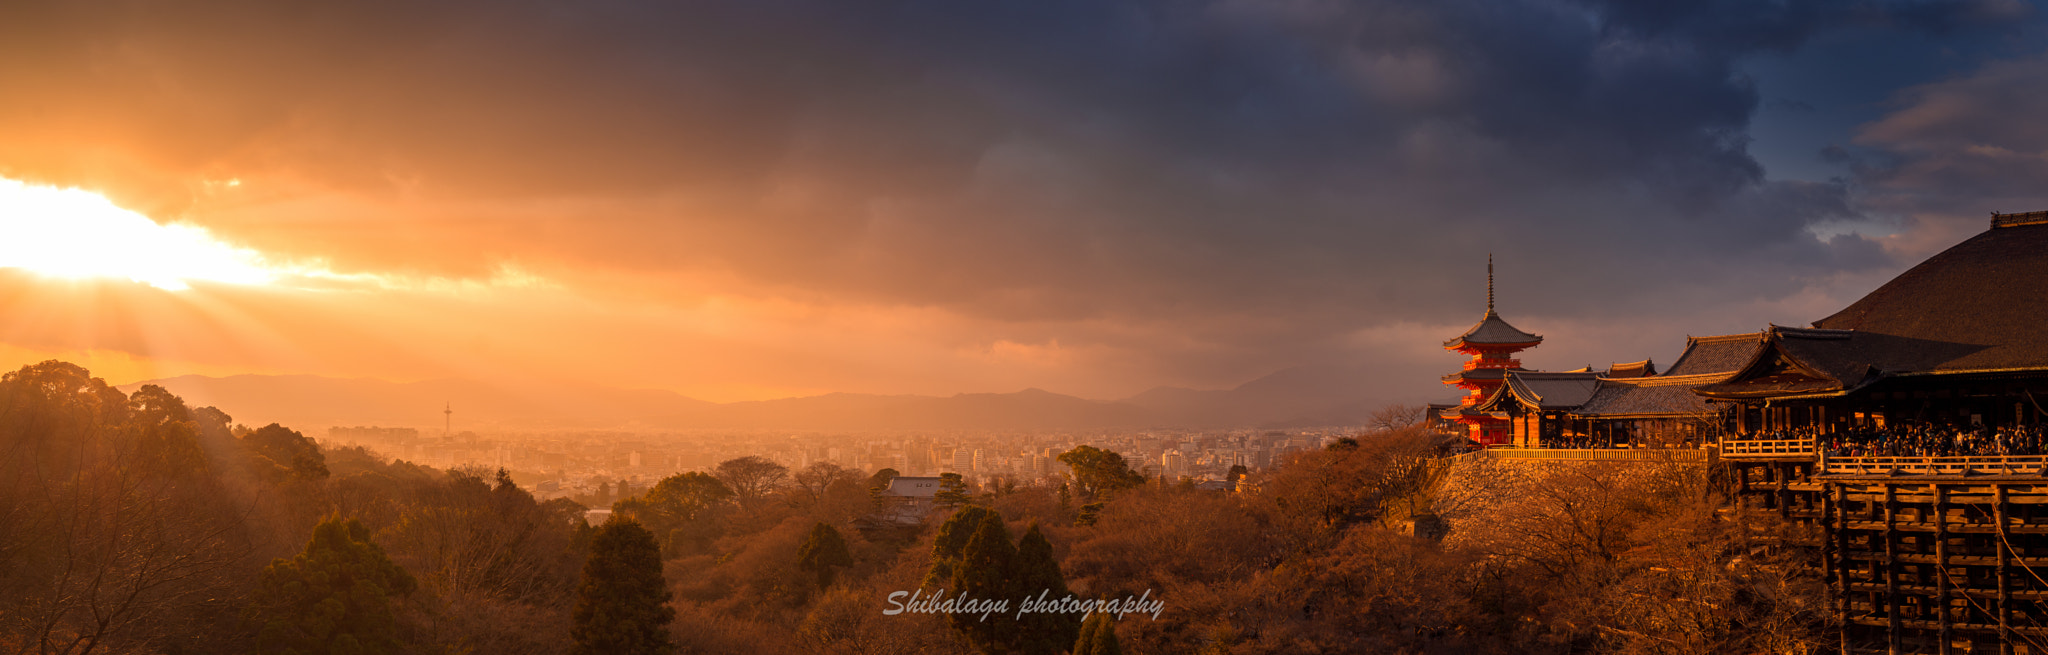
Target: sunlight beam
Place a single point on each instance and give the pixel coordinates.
(73, 233)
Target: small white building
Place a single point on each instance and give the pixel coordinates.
(908, 498)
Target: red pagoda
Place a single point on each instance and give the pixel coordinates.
(1492, 344)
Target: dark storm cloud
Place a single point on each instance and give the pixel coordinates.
(1976, 136)
(1320, 165)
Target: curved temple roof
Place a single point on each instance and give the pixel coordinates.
(1716, 354)
(1492, 331)
(1631, 369)
(1546, 391)
(1981, 305)
(1974, 308)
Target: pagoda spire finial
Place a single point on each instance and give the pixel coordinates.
(1489, 283)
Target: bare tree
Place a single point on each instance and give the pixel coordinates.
(816, 479)
(1395, 417)
(751, 477)
(123, 530)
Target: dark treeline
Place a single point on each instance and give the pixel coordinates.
(136, 524)
(133, 523)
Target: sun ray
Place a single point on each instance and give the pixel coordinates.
(74, 233)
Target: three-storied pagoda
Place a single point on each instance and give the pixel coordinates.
(1492, 344)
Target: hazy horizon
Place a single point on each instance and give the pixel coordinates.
(1091, 199)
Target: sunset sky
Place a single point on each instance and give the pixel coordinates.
(769, 198)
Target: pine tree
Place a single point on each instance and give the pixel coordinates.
(622, 605)
(984, 573)
(1085, 643)
(952, 492)
(1098, 636)
(332, 599)
(1089, 514)
(823, 551)
(953, 536)
(1038, 573)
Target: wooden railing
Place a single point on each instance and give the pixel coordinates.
(2015, 465)
(1592, 454)
(1741, 448)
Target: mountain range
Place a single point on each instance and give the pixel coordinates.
(1301, 396)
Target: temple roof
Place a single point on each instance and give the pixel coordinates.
(1809, 361)
(1492, 331)
(1551, 391)
(1476, 374)
(1631, 369)
(1716, 354)
(1656, 395)
(1976, 306)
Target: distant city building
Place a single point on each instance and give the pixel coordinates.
(908, 499)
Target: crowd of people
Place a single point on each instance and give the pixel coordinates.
(1921, 440)
(1575, 441)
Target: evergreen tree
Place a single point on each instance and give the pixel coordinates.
(1100, 472)
(622, 605)
(282, 453)
(878, 487)
(1089, 513)
(953, 536)
(332, 599)
(1098, 636)
(823, 551)
(1037, 572)
(952, 492)
(1237, 474)
(681, 510)
(984, 573)
(1085, 644)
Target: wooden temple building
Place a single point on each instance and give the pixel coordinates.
(1924, 552)
(1492, 344)
(1960, 339)
(1628, 405)
(1927, 551)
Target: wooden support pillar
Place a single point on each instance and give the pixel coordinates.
(1891, 568)
(1942, 586)
(2004, 571)
(1841, 534)
(1741, 487)
(1783, 471)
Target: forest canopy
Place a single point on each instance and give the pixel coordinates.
(138, 524)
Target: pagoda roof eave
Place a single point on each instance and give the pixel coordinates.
(1491, 330)
(1460, 344)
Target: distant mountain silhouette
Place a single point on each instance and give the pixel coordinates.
(1332, 394)
(314, 400)
(1294, 397)
(1030, 409)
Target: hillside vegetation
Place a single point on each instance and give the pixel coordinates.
(138, 524)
